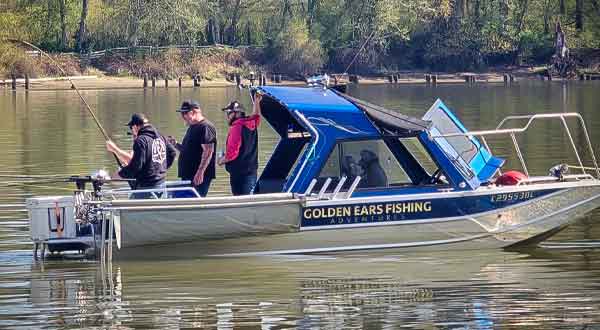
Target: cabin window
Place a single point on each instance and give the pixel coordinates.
(371, 160)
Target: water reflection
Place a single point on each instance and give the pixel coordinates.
(433, 291)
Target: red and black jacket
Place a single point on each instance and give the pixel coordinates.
(242, 147)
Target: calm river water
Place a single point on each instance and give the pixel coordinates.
(50, 132)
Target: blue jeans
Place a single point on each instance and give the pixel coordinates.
(148, 195)
(202, 189)
(242, 185)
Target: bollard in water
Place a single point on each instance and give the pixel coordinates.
(14, 82)
(396, 77)
(166, 82)
(153, 81)
(145, 80)
(238, 79)
(434, 79)
(428, 78)
(390, 79)
(27, 82)
(179, 82)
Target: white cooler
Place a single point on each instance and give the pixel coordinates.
(51, 217)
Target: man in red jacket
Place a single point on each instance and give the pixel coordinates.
(241, 150)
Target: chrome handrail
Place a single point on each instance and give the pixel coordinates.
(153, 191)
(530, 119)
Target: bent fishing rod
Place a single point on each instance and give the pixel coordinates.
(89, 109)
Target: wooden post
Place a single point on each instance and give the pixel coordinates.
(14, 82)
(396, 77)
(238, 80)
(153, 81)
(145, 80)
(166, 82)
(179, 81)
(427, 78)
(390, 79)
(26, 81)
(434, 79)
(505, 78)
(511, 78)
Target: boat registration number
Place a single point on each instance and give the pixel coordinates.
(508, 197)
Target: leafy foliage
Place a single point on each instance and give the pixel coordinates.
(303, 36)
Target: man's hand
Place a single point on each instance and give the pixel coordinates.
(172, 140)
(198, 178)
(221, 161)
(111, 146)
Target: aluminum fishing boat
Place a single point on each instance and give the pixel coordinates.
(346, 175)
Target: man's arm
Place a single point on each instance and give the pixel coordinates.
(123, 156)
(233, 144)
(136, 162)
(207, 152)
(171, 153)
(256, 107)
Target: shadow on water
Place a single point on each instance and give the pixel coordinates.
(463, 290)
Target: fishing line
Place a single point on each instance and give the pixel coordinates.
(358, 52)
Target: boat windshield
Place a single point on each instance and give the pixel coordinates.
(464, 145)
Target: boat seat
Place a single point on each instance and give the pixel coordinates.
(485, 165)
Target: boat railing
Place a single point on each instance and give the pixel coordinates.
(540, 179)
(157, 193)
(530, 119)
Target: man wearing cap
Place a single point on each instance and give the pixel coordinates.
(151, 157)
(197, 150)
(241, 150)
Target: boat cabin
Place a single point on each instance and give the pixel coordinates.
(328, 136)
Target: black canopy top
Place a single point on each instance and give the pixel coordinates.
(391, 123)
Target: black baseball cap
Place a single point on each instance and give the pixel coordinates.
(188, 105)
(234, 106)
(137, 119)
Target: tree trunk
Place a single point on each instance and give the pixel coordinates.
(579, 15)
(248, 34)
(477, 12)
(133, 24)
(81, 34)
(563, 9)
(63, 23)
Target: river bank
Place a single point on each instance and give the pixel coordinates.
(112, 82)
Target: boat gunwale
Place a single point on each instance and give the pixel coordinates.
(480, 191)
(152, 207)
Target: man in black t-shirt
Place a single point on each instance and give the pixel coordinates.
(197, 149)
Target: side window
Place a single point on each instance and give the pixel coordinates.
(371, 160)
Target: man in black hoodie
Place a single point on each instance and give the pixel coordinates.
(151, 157)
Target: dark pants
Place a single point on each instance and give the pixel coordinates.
(148, 195)
(202, 189)
(243, 184)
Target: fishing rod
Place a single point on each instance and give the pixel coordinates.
(89, 109)
(359, 51)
